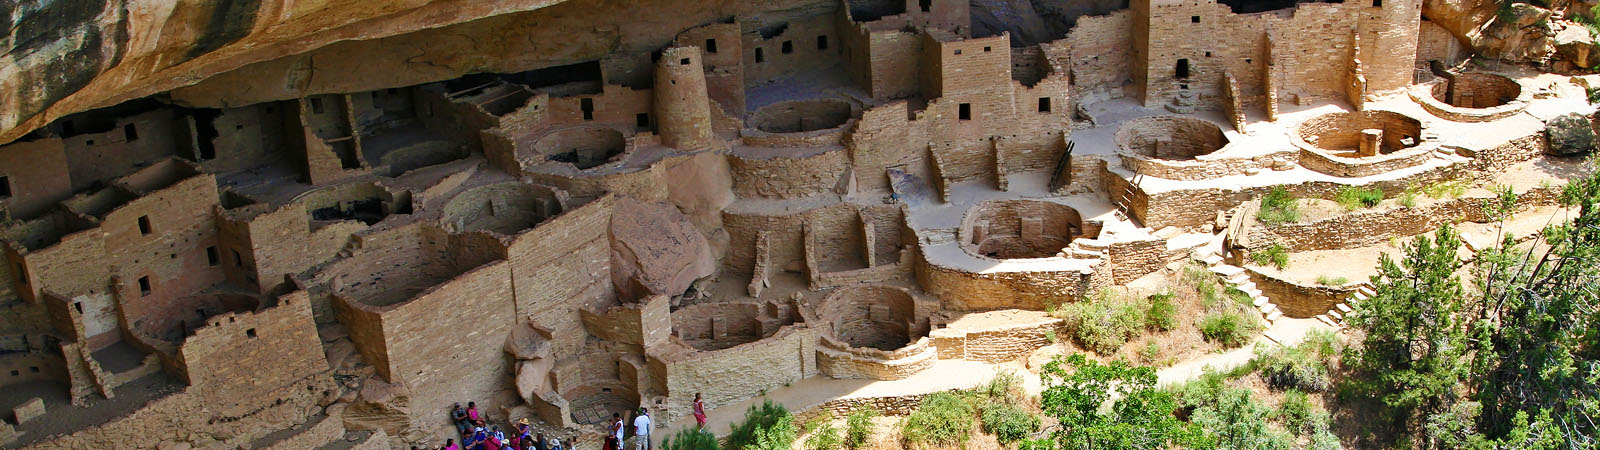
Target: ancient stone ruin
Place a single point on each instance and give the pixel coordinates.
(293, 225)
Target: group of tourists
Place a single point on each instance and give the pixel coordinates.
(477, 434)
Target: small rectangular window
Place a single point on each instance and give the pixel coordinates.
(316, 106)
(211, 256)
(5, 186)
(986, 49)
(711, 45)
(1194, 19)
(964, 111)
(641, 120)
(759, 56)
(683, 62)
(925, 5)
(144, 225)
(250, 333)
(958, 51)
(1044, 104)
(237, 260)
(1182, 69)
(822, 42)
(144, 286)
(1377, 3)
(788, 47)
(130, 132)
(78, 306)
(587, 105)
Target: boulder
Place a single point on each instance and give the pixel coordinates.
(339, 351)
(1575, 44)
(533, 377)
(380, 406)
(1571, 134)
(655, 250)
(1522, 34)
(528, 342)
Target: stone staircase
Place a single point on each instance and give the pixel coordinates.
(1237, 278)
(1335, 317)
(1084, 248)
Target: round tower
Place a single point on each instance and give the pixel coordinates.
(683, 110)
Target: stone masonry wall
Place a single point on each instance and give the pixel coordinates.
(240, 359)
(561, 265)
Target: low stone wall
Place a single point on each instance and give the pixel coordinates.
(1340, 166)
(1206, 166)
(968, 291)
(1510, 153)
(838, 360)
(898, 405)
(1372, 227)
(1008, 343)
(1298, 300)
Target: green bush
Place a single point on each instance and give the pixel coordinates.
(1234, 420)
(1292, 368)
(779, 436)
(825, 436)
(1446, 189)
(1278, 207)
(1353, 198)
(1332, 281)
(1163, 315)
(1150, 352)
(943, 418)
(1008, 422)
(1321, 342)
(1275, 255)
(758, 419)
(1105, 323)
(690, 439)
(1230, 329)
(1295, 412)
(858, 427)
(1005, 386)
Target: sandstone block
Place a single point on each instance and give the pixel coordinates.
(29, 410)
(526, 342)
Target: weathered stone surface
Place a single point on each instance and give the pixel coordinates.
(1571, 134)
(29, 410)
(380, 406)
(533, 377)
(278, 49)
(526, 342)
(655, 250)
(1574, 43)
(1523, 34)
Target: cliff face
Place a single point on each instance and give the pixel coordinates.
(64, 56)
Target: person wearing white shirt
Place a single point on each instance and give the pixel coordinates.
(641, 430)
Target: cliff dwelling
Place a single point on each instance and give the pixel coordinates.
(293, 225)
